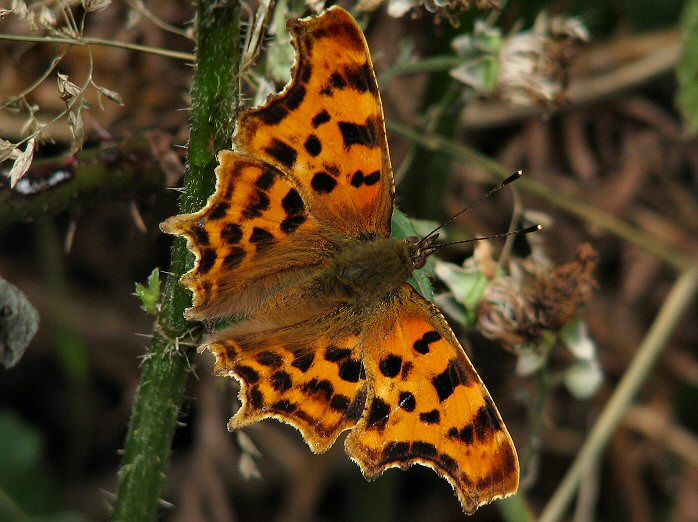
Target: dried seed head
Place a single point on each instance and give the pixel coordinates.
(518, 309)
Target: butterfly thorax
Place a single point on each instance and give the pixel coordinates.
(364, 269)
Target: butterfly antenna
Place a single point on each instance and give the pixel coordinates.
(526, 230)
(516, 175)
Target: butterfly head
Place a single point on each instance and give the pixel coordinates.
(421, 249)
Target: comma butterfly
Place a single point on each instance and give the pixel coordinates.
(295, 241)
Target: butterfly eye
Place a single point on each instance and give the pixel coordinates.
(419, 261)
(5, 311)
(412, 240)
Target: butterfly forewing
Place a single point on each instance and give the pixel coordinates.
(326, 129)
(254, 225)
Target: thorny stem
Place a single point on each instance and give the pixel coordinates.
(165, 370)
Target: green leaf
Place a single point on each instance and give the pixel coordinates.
(150, 294)
(27, 491)
(403, 228)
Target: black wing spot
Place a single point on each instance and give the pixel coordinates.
(357, 179)
(492, 414)
(322, 387)
(261, 236)
(423, 449)
(356, 408)
(396, 451)
(313, 146)
(266, 179)
(351, 370)
(372, 178)
(337, 81)
(292, 202)
(270, 359)
(320, 118)
(335, 354)
(430, 417)
(256, 398)
(340, 403)
(323, 183)
(282, 152)
(255, 208)
(234, 258)
(303, 361)
(431, 336)
(207, 260)
(422, 345)
(356, 134)
(273, 114)
(465, 434)
(284, 406)
(291, 223)
(361, 79)
(294, 97)
(200, 234)
(277, 111)
(407, 401)
(445, 383)
(486, 421)
(390, 366)
(218, 211)
(281, 381)
(231, 233)
(247, 374)
(378, 414)
(448, 463)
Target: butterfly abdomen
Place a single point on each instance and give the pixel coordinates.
(363, 270)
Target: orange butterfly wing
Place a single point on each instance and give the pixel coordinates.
(326, 129)
(255, 212)
(311, 175)
(427, 405)
(315, 383)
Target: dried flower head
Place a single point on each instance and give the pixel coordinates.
(525, 68)
(443, 8)
(518, 309)
(534, 65)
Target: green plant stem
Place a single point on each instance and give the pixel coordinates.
(591, 214)
(166, 367)
(119, 170)
(678, 300)
(425, 65)
(687, 66)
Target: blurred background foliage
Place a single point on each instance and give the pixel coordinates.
(615, 148)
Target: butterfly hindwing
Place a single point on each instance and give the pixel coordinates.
(326, 128)
(427, 405)
(317, 385)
